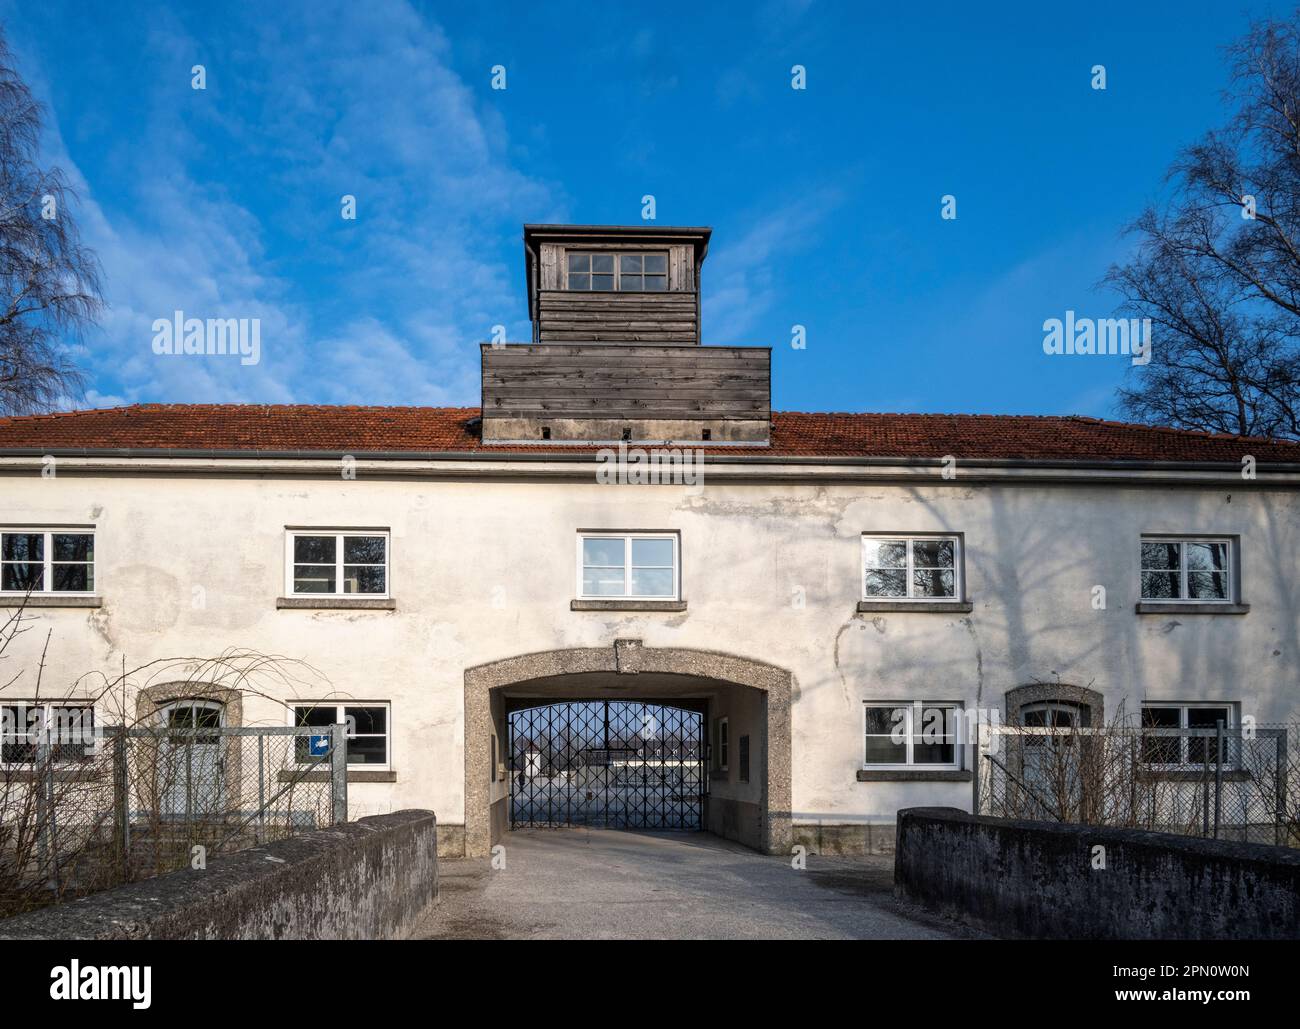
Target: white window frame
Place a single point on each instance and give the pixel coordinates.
(47, 707)
(958, 566)
(1229, 572)
(909, 706)
(627, 538)
(340, 715)
(47, 577)
(1183, 708)
(291, 534)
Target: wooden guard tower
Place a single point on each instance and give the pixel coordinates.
(616, 352)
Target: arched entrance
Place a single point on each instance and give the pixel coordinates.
(749, 790)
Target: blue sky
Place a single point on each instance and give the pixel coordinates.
(825, 202)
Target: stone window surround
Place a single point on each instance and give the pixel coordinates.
(626, 604)
(51, 600)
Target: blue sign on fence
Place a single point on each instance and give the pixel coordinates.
(319, 745)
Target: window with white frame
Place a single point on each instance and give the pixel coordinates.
(1173, 751)
(25, 725)
(337, 563)
(47, 561)
(1187, 569)
(638, 565)
(368, 730)
(915, 735)
(911, 567)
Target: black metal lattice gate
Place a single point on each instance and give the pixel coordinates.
(612, 764)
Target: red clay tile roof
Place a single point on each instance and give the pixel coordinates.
(357, 430)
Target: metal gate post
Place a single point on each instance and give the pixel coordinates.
(339, 772)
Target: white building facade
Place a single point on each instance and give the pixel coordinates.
(797, 594)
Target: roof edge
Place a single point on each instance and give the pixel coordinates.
(591, 454)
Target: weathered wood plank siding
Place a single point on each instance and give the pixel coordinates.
(626, 380)
(566, 317)
(623, 362)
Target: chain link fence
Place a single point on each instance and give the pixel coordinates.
(81, 814)
(1224, 783)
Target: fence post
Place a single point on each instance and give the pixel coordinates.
(1134, 749)
(1281, 836)
(339, 772)
(261, 784)
(975, 766)
(51, 808)
(189, 779)
(1205, 779)
(1218, 775)
(121, 804)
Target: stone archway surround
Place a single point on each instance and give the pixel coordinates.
(152, 699)
(1092, 702)
(626, 658)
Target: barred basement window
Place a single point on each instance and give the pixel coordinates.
(47, 561)
(626, 273)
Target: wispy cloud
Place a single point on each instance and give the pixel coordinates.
(744, 275)
(235, 212)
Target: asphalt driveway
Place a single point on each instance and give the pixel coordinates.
(605, 884)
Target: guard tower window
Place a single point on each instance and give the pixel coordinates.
(609, 272)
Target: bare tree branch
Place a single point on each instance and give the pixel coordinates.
(1222, 290)
(49, 281)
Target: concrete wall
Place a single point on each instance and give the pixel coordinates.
(369, 879)
(1035, 879)
(735, 807)
(483, 570)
